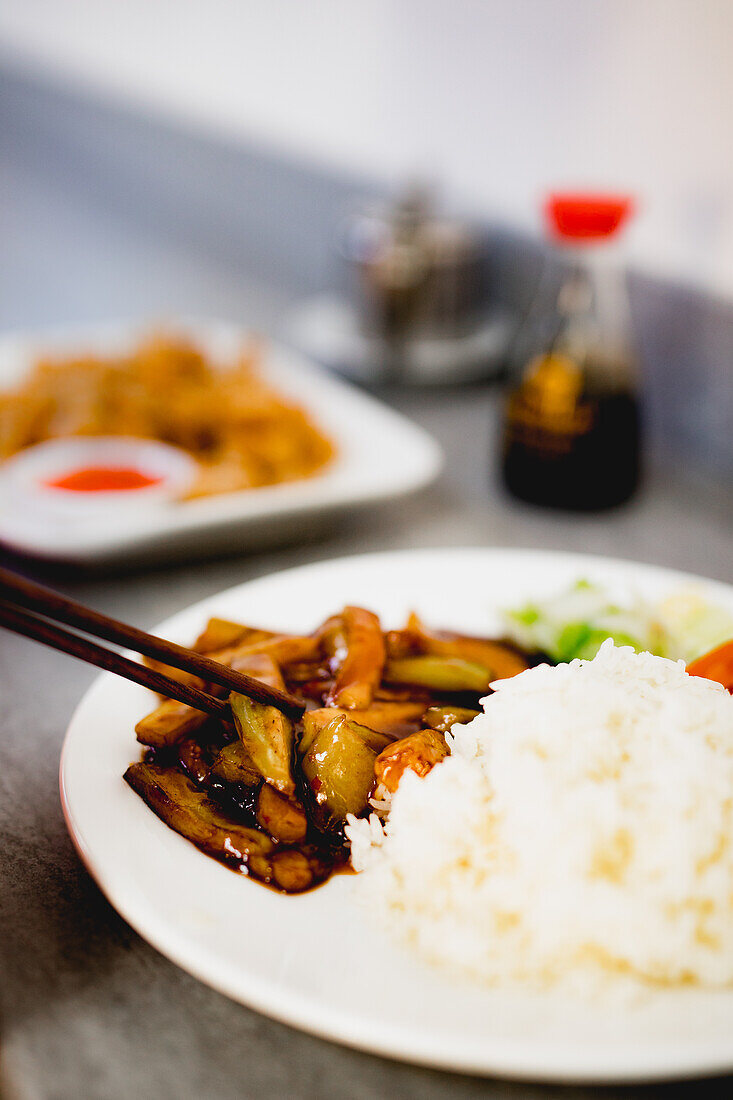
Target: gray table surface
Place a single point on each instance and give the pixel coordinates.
(88, 1008)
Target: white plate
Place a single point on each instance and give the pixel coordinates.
(381, 456)
(316, 961)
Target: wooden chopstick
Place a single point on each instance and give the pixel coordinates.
(15, 590)
(23, 622)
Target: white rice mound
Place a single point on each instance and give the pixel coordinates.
(583, 826)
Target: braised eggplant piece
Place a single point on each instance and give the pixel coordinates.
(360, 672)
(388, 718)
(292, 872)
(502, 658)
(331, 639)
(304, 672)
(260, 666)
(315, 720)
(371, 738)
(233, 764)
(193, 758)
(439, 673)
(402, 643)
(171, 721)
(284, 819)
(419, 753)
(222, 634)
(178, 674)
(168, 723)
(444, 718)
(282, 649)
(394, 719)
(285, 649)
(188, 811)
(269, 796)
(339, 769)
(219, 641)
(268, 737)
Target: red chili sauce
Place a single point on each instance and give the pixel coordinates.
(103, 479)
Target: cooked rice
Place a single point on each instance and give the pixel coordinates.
(583, 825)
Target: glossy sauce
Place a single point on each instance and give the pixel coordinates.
(326, 853)
(220, 808)
(103, 479)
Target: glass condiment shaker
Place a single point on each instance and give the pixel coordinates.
(571, 420)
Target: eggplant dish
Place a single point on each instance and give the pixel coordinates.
(269, 797)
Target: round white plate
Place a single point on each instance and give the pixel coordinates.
(317, 961)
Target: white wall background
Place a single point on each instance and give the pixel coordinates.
(494, 99)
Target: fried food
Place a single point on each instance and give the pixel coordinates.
(242, 432)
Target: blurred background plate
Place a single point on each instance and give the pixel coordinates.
(381, 456)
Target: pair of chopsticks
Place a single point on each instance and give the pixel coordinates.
(33, 611)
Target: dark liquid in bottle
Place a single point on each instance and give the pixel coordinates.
(584, 458)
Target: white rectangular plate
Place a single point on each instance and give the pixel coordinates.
(381, 456)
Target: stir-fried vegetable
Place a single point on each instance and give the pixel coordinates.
(267, 735)
(258, 791)
(191, 813)
(260, 666)
(444, 718)
(222, 634)
(439, 673)
(282, 819)
(339, 768)
(314, 721)
(360, 670)
(168, 723)
(502, 661)
(234, 765)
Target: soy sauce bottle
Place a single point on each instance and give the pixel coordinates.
(571, 434)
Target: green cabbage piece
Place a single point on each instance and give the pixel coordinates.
(576, 622)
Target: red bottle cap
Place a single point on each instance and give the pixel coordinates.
(581, 216)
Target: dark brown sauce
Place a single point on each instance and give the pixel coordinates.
(326, 853)
(220, 815)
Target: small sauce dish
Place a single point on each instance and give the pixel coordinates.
(89, 474)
